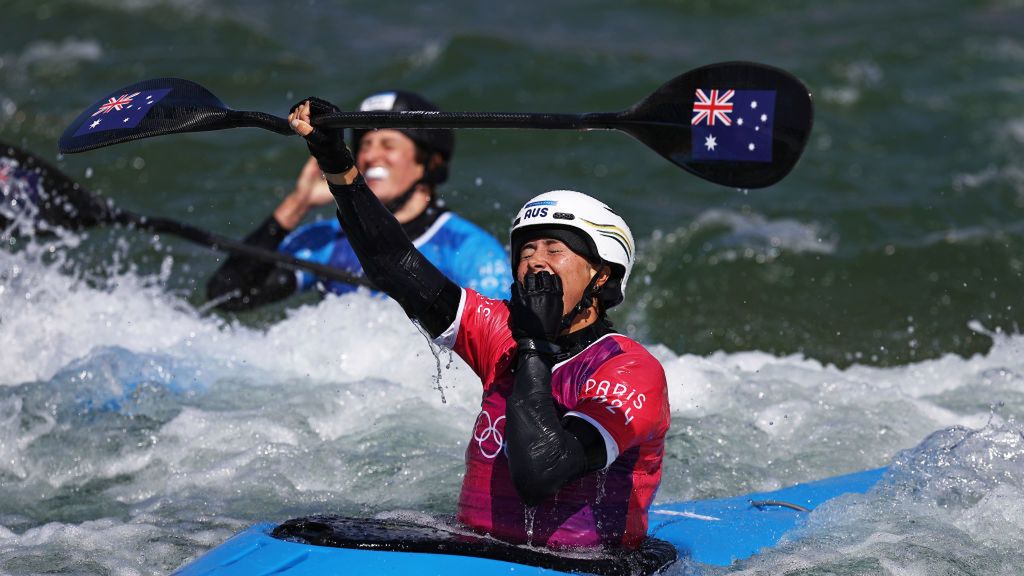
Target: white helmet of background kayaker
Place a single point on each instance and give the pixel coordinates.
(434, 146)
(588, 227)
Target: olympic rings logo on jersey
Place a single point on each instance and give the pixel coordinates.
(490, 435)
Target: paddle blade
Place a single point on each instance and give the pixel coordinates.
(36, 197)
(154, 108)
(739, 124)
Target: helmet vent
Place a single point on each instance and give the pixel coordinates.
(563, 216)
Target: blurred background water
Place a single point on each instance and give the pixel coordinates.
(862, 312)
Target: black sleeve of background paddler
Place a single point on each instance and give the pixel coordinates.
(544, 453)
(242, 283)
(391, 261)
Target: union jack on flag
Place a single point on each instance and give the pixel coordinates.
(717, 106)
(121, 112)
(115, 103)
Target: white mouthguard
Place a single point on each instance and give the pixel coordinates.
(376, 173)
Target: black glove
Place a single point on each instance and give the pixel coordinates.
(536, 308)
(327, 145)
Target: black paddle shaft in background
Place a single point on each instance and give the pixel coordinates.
(32, 190)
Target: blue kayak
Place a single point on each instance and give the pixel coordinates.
(716, 532)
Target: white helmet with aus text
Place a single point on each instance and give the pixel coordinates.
(587, 226)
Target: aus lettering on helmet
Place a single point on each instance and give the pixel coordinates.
(588, 227)
(434, 145)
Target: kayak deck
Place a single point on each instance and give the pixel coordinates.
(727, 529)
(716, 532)
(351, 546)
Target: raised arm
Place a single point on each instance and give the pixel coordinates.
(544, 452)
(388, 257)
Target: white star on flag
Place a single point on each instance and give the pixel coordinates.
(94, 124)
(710, 143)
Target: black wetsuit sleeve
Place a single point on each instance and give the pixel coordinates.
(391, 261)
(544, 452)
(243, 283)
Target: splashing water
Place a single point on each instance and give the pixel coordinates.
(951, 505)
(136, 433)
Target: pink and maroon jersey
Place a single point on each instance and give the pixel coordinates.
(615, 385)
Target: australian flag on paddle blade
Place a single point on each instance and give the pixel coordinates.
(121, 111)
(734, 125)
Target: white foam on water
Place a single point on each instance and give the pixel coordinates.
(730, 235)
(857, 77)
(793, 419)
(189, 8)
(63, 53)
(49, 319)
(17, 436)
(952, 505)
(1015, 129)
(992, 177)
(106, 546)
(60, 57)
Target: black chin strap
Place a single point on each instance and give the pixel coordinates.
(585, 302)
(396, 204)
(432, 177)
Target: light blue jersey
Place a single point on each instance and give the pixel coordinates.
(463, 251)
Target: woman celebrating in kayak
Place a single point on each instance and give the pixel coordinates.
(403, 167)
(567, 448)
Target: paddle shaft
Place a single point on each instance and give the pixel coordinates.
(224, 244)
(85, 210)
(432, 119)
